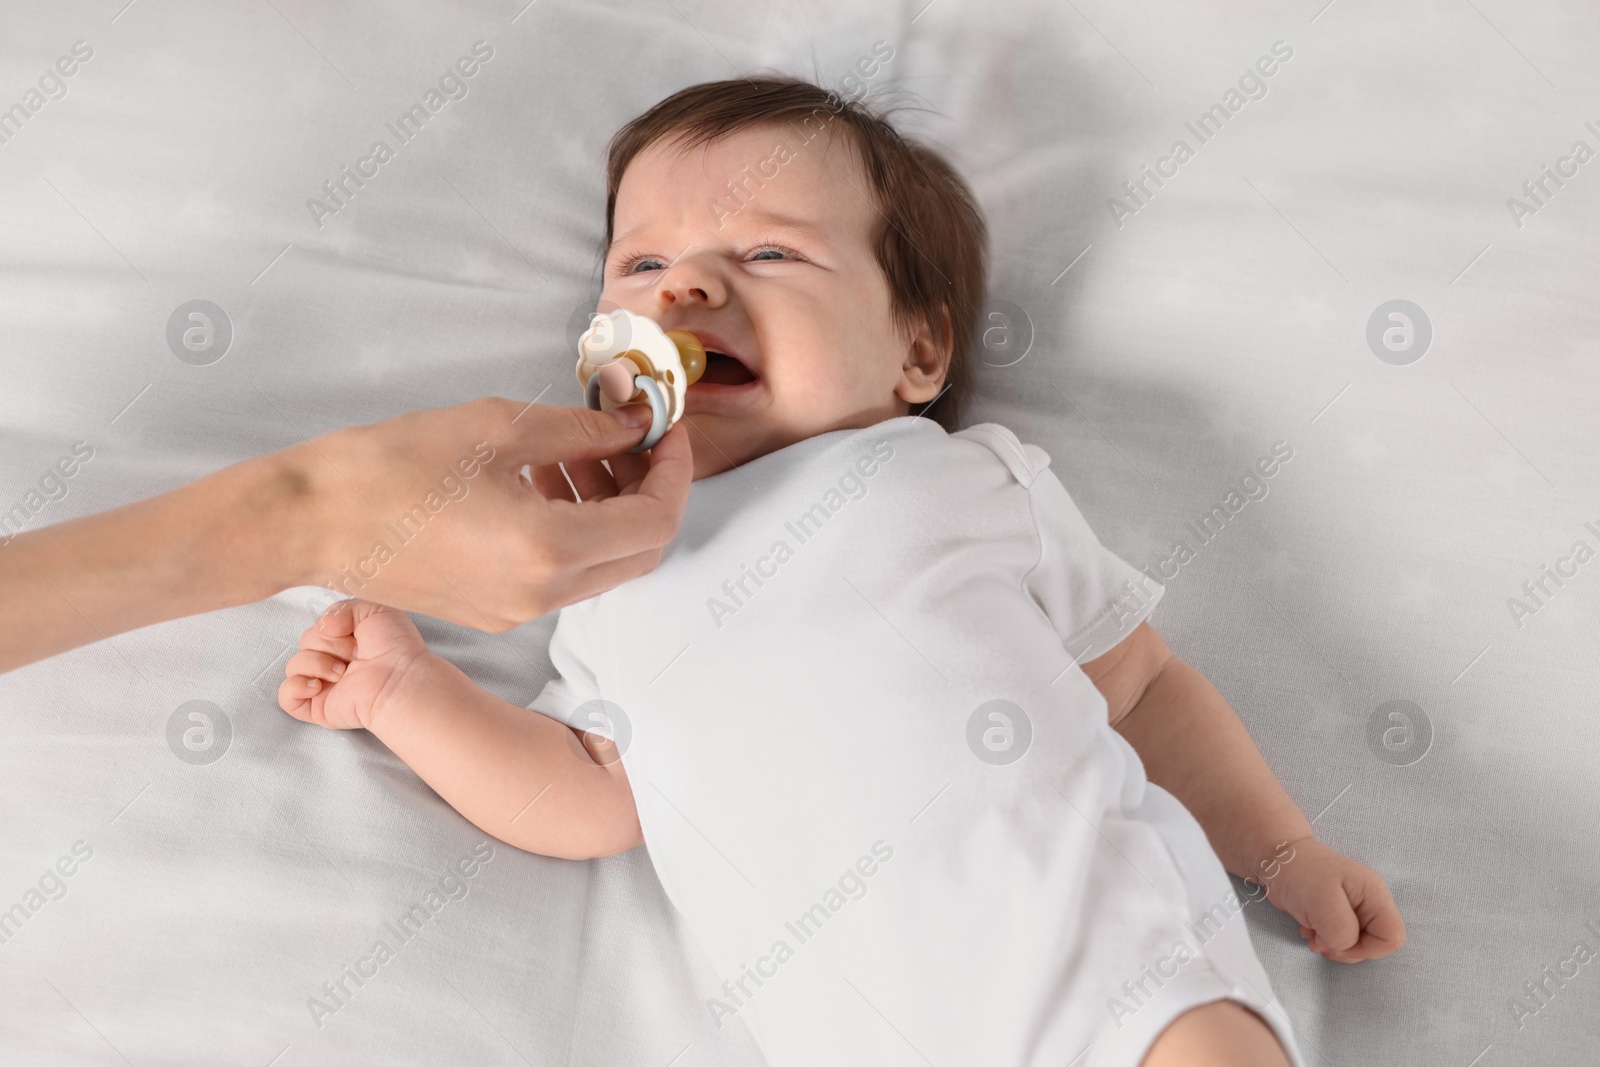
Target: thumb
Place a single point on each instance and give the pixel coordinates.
(344, 618)
(546, 434)
(338, 619)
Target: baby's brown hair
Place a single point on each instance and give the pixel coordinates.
(932, 244)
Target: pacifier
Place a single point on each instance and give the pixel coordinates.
(626, 358)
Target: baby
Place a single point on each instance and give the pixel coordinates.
(884, 713)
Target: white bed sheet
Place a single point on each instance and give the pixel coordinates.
(1171, 347)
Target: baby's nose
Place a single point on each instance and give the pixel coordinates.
(673, 295)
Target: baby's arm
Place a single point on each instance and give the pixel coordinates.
(1193, 745)
(523, 777)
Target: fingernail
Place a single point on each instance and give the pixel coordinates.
(316, 683)
(632, 416)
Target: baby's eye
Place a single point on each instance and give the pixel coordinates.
(626, 267)
(768, 253)
(775, 250)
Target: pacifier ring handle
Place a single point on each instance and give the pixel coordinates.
(658, 412)
(656, 398)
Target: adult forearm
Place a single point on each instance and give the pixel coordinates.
(516, 774)
(1194, 746)
(232, 537)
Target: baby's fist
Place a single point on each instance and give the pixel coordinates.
(351, 660)
(1345, 911)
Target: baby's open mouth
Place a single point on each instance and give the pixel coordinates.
(723, 369)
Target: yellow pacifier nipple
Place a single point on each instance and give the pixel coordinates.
(692, 352)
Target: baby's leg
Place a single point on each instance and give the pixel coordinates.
(1223, 1033)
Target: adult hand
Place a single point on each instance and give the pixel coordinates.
(402, 523)
(488, 550)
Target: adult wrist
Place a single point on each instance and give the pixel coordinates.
(295, 514)
(235, 536)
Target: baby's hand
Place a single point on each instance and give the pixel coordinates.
(350, 659)
(1345, 910)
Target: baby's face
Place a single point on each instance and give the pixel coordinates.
(787, 284)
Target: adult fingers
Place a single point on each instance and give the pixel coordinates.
(545, 434)
(664, 476)
(628, 470)
(592, 581)
(594, 482)
(551, 483)
(590, 477)
(615, 528)
(631, 468)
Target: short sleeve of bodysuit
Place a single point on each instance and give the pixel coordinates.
(1092, 596)
(561, 697)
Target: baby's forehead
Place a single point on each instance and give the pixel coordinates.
(792, 171)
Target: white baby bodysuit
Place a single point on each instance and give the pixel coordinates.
(873, 779)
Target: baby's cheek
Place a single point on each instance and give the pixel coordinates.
(816, 404)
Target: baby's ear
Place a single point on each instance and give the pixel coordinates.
(927, 362)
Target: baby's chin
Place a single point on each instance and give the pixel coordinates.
(722, 442)
(707, 466)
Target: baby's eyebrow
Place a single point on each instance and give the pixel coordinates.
(770, 221)
(623, 237)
